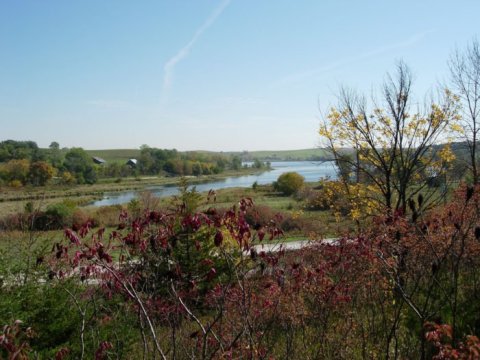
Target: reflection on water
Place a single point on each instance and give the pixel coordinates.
(310, 170)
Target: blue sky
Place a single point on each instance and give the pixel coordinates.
(208, 74)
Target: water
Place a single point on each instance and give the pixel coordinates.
(310, 170)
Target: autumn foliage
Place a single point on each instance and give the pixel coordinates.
(193, 284)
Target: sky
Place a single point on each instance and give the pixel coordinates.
(220, 75)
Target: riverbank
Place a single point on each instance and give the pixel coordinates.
(14, 200)
(312, 171)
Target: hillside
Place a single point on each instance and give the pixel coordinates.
(280, 155)
(115, 155)
(122, 155)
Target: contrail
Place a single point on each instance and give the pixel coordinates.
(297, 77)
(169, 66)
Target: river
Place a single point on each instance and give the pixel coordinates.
(311, 170)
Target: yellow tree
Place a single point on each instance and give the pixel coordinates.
(388, 145)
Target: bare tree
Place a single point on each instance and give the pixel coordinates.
(465, 79)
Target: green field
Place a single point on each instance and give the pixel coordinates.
(282, 155)
(115, 155)
(122, 155)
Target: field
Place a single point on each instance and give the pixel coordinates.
(122, 155)
(284, 155)
(115, 155)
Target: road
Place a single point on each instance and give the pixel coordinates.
(292, 245)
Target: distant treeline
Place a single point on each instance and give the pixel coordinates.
(172, 162)
(24, 163)
(285, 155)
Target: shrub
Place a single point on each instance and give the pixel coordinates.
(68, 178)
(289, 183)
(80, 217)
(40, 173)
(16, 171)
(56, 216)
(107, 215)
(260, 215)
(16, 221)
(15, 184)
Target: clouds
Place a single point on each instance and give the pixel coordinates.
(169, 67)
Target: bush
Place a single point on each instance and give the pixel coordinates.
(40, 173)
(260, 215)
(80, 217)
(67, 178)
(56, 216)
(107, 215)
(330, 195)
(15, 184)
(289, 183)
(16, 221)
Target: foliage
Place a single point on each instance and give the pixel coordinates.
(18, 150)
(257, 164)
(393, 147)
(289, 183)
(15, 170)
(154, 161)
(14, 341)
(191, 283)
(441, 335)
(67, 178)
(236, 163)
(40, 173)
(22, 171)
(171, 261)
(79, 164)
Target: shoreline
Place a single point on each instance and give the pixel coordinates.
(98, 190)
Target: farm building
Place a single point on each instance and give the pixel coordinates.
(132, 162)
(98, 160)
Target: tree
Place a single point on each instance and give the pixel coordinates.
(465, 80)
(55, 154)
(236, 163)
(40, 172)
(394, 148)
(54, 145)
(197, 168)
(257, 164)
(78, 162)
(12, 149)
(16, 170)
(289, 183)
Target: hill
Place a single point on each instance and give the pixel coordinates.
(284, 155)
(122, 155)
(115, 155)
